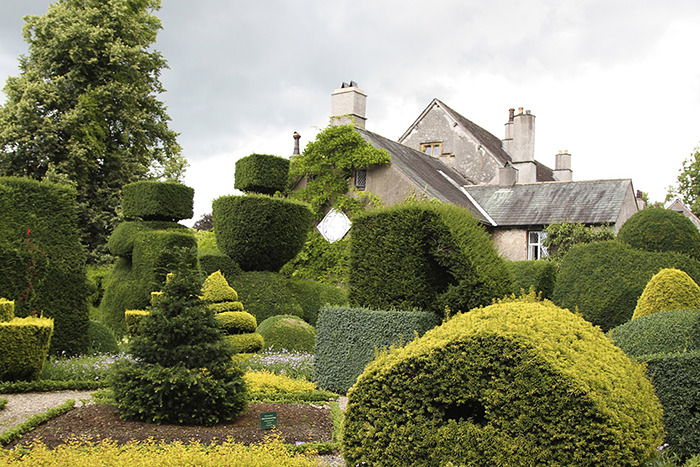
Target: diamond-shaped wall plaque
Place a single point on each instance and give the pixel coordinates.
(334, 225)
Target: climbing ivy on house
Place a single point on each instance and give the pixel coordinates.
(328, 163)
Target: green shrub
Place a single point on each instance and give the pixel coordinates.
(206, 241)
(676, 378)
(603, 280)
(97, 277)
(516, 384)
(236, 322)
(258, 232)
(658, 229)
(540, 274)
(668, 332)
(669, 289)
(42, 262)
(210, 263)
(245, 343)
(261, 173)
(124, 236)
(562, 236)
(122, 292)
(102, 339)
(312, 296)
(321, 261)
(266, 294)
(183, 372)
(7, 310)
(226, 306)
(287, 332)
(430, 256)
(157, 201)
(347, 339)
(24, 344)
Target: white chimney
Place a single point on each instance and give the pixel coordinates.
(348, 105)
(522, 148)
(507, 175)
(562, 166)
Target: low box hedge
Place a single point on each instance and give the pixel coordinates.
(24, 345)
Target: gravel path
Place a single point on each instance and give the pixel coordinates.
(21, 407)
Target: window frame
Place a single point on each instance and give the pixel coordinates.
(536, 250)
(432, 145)
(361, 173)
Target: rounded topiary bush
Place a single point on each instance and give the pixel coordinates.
(260, 233)
(668, 332)
(288, 332)
(669, 289)
(604, 280)
(516, 384)
(102, 339)
(657, 229)
(154, 201)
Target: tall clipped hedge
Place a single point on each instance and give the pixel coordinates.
(260, 233)
(42, 263)
(603, 280)
(657, 229)
(153, 200)
(347, 339)
(261, 173)
(516, 384)
(423, 255)
(540, 274)
(669, 289)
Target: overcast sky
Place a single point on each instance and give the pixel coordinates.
(614, 82)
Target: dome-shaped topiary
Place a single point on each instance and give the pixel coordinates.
(657, 229)
(288, 332)
(669, 290)
(236, 322)
(516, 384)
(669, 332)
(216, 289)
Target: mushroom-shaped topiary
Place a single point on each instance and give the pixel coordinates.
(516, 384)
(669, 290)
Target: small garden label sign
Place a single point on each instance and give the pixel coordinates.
(268, 420)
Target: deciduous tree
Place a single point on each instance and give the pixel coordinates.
(85, 106)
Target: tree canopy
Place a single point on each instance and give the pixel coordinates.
(85, 110)
(688, 188)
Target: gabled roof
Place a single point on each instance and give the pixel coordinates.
(491, 143)
(589, 202)
(432, 176)
(678, 206)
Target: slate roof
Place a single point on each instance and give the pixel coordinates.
(431, 175)
(589, 202)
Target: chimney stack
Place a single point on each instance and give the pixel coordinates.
(297, 137)
(507, 175)
(348, 105)
(562, 166)
(522, 145)
(508, 140)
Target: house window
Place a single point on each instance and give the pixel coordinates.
(535, 249)
(360, 179)
(431, 149)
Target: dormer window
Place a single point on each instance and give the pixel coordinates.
(360, 179)
(431, 149)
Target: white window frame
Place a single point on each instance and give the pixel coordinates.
(535, 248)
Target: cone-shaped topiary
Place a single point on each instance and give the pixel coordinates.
(216, 289)
(516, 384)
(670, 289)
(183, 372)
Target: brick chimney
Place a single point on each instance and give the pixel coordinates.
(522, 146)
(562, 166)
(348, 105)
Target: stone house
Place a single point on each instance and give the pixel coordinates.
(445, 156)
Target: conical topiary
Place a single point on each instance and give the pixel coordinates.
(183, 372)
(668, 290)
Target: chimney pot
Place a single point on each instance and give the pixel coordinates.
(520, 110)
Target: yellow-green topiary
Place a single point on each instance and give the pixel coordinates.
(669, 290)
(216, 289)
(237, 322)
(7, 309)
(24, 344)
(516, 384)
